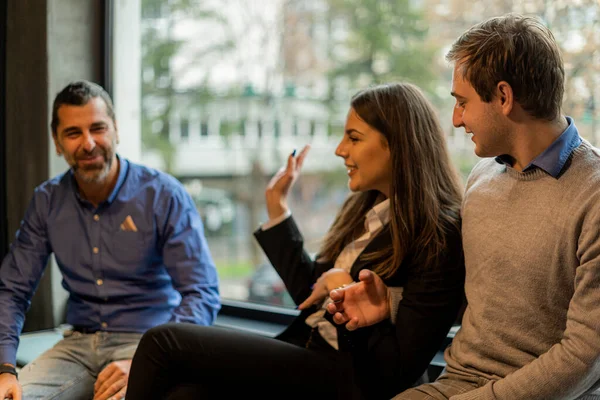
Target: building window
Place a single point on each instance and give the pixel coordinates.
(184, 129)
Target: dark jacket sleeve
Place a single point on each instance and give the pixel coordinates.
(283, 245)
(390, 358)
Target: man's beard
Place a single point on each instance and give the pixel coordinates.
(95, 173)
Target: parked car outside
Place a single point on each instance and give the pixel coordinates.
(215, 206)
(266, 287)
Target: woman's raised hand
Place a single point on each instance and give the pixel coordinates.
(279, 186)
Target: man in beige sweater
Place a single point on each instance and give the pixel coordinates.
(530, 227)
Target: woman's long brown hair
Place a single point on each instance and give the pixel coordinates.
(425, 193)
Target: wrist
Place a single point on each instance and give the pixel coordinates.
(8, 369)
(276, 210)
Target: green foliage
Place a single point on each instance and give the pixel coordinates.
(386, 42)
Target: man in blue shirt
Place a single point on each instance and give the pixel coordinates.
(130, 245)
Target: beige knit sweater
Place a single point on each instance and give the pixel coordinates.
(532, 253)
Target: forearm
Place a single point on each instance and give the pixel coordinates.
(570, 367)
(560, 373)
(199, 307)
(283, 245)
(15, 294)
(11, 324)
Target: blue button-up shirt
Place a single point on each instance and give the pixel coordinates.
(553, 159)
(138, 260)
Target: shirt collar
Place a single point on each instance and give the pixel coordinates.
(553, 159)
(378, 216)
(123, 167)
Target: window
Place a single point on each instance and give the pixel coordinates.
(185, 129)
(284, 71)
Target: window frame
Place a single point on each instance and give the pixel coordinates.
(3, 191)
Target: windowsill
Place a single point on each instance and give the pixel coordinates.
(255, 318)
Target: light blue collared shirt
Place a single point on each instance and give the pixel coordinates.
(137, 260)
(553, 159)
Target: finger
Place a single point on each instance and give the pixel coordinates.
(277, 177)
(337, 295)
(103, 376)
(108, 382)
(301, 156)
(339, 318)
(16, 392)
(332, 308)
(291, 164)
(307, 303)
(367, 276)
(352, 325)
(112, 389)
(120, 395)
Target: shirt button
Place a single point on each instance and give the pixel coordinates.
(104, 324)
(99, 282)
(96, 217)
(95, 250)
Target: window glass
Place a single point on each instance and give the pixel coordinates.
(231, 87)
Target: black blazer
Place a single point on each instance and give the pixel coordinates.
(387, 359)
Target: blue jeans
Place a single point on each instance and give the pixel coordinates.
(69, 369)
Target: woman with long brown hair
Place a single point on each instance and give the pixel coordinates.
(401, 221)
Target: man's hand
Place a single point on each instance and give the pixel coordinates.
(329, 280)
(112, 381)
(362, 304)
(10, 388)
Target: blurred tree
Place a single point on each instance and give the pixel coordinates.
(160, 46)
(385, 40)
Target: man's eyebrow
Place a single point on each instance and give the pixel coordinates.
(70, 129)
(99, 124)
(457, 96)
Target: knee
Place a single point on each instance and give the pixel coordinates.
(157, 337)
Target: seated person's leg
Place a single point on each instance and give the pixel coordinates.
(188, 391)
(115, 350)
(443, 388)
(122, 346)
(63, 372)
(182, 354)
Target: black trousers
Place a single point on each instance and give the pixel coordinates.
(185, 361)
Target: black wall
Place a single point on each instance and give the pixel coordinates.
(3, 219)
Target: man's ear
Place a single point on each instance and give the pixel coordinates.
(505, 96)
(56, 146)
(116, 131)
